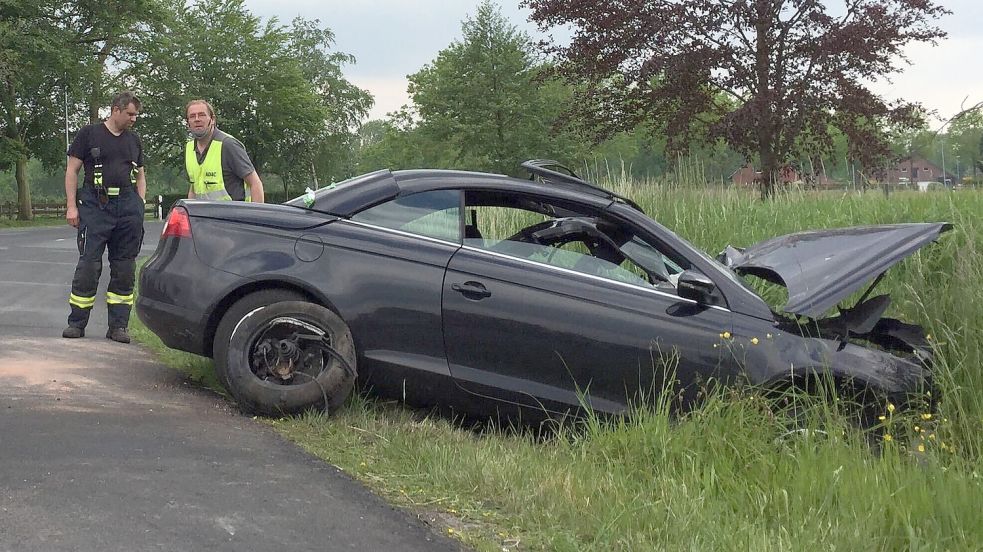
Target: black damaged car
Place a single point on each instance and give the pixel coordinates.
(491, 294)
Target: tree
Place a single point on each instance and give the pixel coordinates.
(276, 88)
(481, 100)
(965, 133)
(979, 162)
(35, 58)
(107, 35)
(330, 150)
(45, 48)
(792, 69)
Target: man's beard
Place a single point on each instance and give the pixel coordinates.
(199, 134)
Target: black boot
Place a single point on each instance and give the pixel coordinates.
(73, 332)
(118, 334)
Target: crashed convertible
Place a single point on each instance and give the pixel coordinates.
(496, 295)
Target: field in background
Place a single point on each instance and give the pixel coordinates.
(723, 477)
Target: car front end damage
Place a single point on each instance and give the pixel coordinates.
(822, 269)
(893, 357)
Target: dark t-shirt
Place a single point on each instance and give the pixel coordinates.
(236, 165)
(119, 154)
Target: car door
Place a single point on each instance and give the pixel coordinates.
(520, 326)
(384, 271)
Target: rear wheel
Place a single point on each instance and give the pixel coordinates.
(278, 354)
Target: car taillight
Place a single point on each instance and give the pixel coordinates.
(178, 224)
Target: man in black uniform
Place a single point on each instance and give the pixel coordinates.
(108, 211)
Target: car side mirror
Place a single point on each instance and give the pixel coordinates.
(695, 286)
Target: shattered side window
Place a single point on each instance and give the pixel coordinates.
(564, 236)
(435, 214)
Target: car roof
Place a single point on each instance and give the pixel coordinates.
(413, 181)
(352, 195)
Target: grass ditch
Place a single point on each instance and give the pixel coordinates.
(723, 476)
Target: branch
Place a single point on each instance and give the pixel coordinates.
(957, 116)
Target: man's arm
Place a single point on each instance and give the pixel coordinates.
(142, 184)
(71, 190)
(255, 187)
(191, 191)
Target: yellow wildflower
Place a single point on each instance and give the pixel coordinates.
(890, 408)
(754, 340)
(725, 335)
(887, 437)
(450, 530)
(921, 447)
(927, 416)
(928, 337)
(917, 428)
(882, 417)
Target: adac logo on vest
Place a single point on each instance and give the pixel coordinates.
(211, 173)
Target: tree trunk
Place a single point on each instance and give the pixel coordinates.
(24, 211)
(763, 104)
(769, 171)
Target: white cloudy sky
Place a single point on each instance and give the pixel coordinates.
(394, 38)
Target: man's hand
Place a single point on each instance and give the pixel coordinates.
(71, 191)
(72, 216)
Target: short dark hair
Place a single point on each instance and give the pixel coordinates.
(124, 99)
(208, 106)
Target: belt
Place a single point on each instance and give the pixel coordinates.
(112, 191)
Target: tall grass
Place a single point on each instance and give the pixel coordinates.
(940, 288)
(726, 476)
(723, 477)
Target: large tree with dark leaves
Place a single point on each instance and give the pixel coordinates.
(790, 69)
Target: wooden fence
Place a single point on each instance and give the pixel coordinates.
(154, 208)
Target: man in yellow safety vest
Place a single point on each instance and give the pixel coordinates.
(217, 163)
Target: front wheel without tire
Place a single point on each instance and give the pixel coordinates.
(286, 357)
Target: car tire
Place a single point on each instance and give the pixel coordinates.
(236, 312)
(257, 321)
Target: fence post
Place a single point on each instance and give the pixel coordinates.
(160, 207)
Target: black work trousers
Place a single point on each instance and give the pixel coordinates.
(118, 225)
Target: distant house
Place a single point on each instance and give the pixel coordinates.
(914, 169)
(748, 176)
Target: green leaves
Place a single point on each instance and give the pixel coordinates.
(479, 105)
(278, 88)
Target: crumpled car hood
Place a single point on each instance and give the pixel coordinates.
(821, 268)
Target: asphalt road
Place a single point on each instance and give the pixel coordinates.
(102, 448)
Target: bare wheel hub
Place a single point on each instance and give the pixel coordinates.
(287, 346)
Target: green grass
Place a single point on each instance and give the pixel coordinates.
(37, 221)
(721, 478)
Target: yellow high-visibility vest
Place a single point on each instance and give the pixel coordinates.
(206, 177)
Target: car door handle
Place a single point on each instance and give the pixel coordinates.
(472, 290)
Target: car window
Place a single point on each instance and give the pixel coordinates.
(435, 214)
(561, 236)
